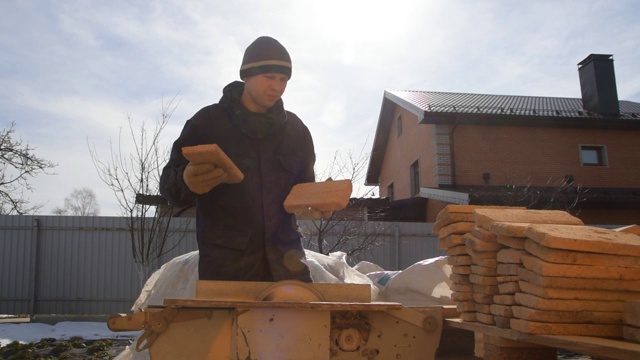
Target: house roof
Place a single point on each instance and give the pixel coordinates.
(481, 109)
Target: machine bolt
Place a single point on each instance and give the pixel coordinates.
(349, 340)
(430, 323)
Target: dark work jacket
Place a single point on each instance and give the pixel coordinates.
(243, 230)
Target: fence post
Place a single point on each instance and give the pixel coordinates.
(35, 250)
(397, 244)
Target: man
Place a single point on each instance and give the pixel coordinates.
(243, 230)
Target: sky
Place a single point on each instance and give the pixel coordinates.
(73, 71)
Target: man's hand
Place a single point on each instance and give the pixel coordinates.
(201, 178)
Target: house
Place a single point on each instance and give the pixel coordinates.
(576, 154)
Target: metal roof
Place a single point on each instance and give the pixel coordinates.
(446, 102)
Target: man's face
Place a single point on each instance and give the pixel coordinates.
(262, 91)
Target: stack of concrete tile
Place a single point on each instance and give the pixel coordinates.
(631, 318)
(575, 280)
(471, 252)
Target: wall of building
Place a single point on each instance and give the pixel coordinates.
(543, 156)
(417, 142)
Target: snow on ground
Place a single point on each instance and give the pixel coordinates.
(34, 332)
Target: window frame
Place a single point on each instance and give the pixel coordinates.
(600, 152)
(399, 125)
(390, 192)
(414, 178)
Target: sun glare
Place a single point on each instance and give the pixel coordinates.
(356, 20)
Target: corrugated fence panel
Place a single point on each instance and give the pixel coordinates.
(398, 245)
(84, 265)
(16, 264)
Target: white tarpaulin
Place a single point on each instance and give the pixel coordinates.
(424, 283)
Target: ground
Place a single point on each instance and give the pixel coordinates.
(76, 348)
(106, 349)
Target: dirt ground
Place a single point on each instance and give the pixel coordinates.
(106, 349)
(74, 349)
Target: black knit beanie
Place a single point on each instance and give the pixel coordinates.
(265, 55)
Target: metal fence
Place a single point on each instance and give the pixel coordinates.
(84, 265)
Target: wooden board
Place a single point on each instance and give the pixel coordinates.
(479, 244)
(509, 229)
(212, 153)
(484, 271)
(593, 346)
(544, 268)
(467, 209)
(559, 256)
(511, 241)
(486, 217)
(453, 240)
(456, 228)
(631, 229)
(461, 287)
(250, 290)
(536, 302)
(502, 310)
(488, 262)
(450, 218)
(632, 312)
(483, 280)
(631, 333)
(585, 238)
(482, 234)
(485, 318)
(481, 254)
(509, 256)
(577, 294)
(577, 283)
(332, 195)
(485, 289)
(508, 269)
(532, 327)
(509, 287)
(504, 299)
(459, 260)
(456, 250)
(568, 317)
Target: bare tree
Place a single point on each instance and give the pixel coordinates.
(81, 202)
(18, 164)
(563, 195)
(131, 175)
(350, 230)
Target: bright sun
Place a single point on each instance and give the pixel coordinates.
(353, 20)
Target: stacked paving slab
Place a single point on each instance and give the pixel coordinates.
(541, 271)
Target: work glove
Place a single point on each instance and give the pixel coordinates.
(201, 178)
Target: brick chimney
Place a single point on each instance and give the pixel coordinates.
(598, 84)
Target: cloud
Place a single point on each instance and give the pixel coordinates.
(73, 70)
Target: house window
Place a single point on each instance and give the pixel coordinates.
(593, 155)
(390, 192)
(399, 125)
(414, 176)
